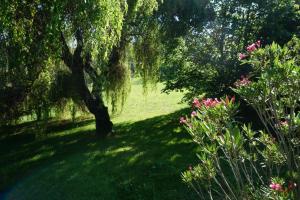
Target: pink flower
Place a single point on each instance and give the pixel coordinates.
(276, 186)
(273, 186)
(251, 48)
(210, 102)
(215, 102)
(207, 102)
(190, 167)
(196, 103)
(232, 99)
(254, 46)
(244, 81)
(182, 120)
(258, 43)
(242, 56)
(194, 114)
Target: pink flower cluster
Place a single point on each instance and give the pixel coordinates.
(182, 120)
(242, 56)
(244, 81)
(196, 103)
(276, 186)
(254, 46)
(209, 102)
(250, 49)
(194, 114)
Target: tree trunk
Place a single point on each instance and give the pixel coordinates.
(103, 123)
(93, 101)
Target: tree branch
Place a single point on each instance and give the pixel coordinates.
(79, 39)
(97, 84)
(89, 69)
(66, 54)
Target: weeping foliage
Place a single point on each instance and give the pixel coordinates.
(138, 52)
(118, 84)
(148, 55)
(30, 36)
(38, 99)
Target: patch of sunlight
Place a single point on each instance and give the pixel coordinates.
(94, 154)
(174, 157)
(92, 161)
(38, 157)
(162, 123)
(73, 130)
(117, 151)
(177, 129)
(140, 106)
(177, 142)
(134, 158)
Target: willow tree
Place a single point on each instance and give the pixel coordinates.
(90, 37)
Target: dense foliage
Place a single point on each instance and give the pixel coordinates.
(206, 59)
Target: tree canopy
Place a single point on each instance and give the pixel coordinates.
(206, 60)
(31, 46)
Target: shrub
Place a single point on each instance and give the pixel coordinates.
(237, 162)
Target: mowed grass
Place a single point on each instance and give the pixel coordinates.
(140, 106)
(143, 160)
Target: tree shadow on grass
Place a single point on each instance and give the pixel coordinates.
(28, 132)
(143, 160)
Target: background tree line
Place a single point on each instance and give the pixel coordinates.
(206, 58)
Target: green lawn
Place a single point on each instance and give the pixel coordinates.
(140, 106)
(143, 160)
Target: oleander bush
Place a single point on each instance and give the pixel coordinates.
(237, 162)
